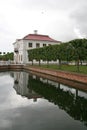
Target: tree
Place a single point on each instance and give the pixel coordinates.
(61, 53)
(78, 47)
(31, 55)
(48, 54)
(38, 54)
(10, 55)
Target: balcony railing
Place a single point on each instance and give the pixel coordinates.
(16, 50)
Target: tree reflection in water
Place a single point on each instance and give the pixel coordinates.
(73, 104)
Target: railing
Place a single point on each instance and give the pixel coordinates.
(6, 62)
(16, 50)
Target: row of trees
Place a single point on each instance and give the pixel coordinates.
(6, 56)
(75, 50)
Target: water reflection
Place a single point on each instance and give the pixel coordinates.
(20, 85)
(72, 101)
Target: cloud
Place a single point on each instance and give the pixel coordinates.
(80, 20)
(78, 33)
(52, 17)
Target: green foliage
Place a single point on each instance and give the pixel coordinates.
(79, 48)
(8, 56)
(31, 55)
(75, 50)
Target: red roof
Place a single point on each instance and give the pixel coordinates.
(39, 38)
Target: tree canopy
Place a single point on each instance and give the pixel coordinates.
(74, 50)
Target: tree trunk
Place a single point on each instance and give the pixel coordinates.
(59, 85)
(39, 63)
(76, 93)
(59, 64)
(78, 65)
(32, 62)
(47, 64)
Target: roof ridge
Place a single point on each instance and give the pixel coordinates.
(39, 37)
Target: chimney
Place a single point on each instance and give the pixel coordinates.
(35, 31)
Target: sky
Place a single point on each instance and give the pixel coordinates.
(62, 20)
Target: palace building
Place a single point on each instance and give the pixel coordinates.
(30, 41)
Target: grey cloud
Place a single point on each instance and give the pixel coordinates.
(79, 16)
(23, 16)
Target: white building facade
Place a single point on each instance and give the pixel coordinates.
(31, 41)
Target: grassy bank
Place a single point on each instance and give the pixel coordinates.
(70, 68)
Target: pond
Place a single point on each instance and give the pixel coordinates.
(28, 102)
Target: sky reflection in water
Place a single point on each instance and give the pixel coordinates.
(32, 110)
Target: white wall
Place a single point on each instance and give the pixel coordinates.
(22, 46)
(34, 46)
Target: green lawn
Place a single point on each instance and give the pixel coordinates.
(71, 68)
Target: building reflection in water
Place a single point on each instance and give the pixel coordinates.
(71, 100)
(20, 85)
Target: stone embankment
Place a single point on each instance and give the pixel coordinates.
(68, 78)
(78, 81)
(62, 74)
(11, 67)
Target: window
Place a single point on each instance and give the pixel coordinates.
(44, 44)
(29, 44)
(37, 45)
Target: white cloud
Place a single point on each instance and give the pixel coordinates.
(53, 17)
(78, 33)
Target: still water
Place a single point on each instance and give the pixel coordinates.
(28, 102)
